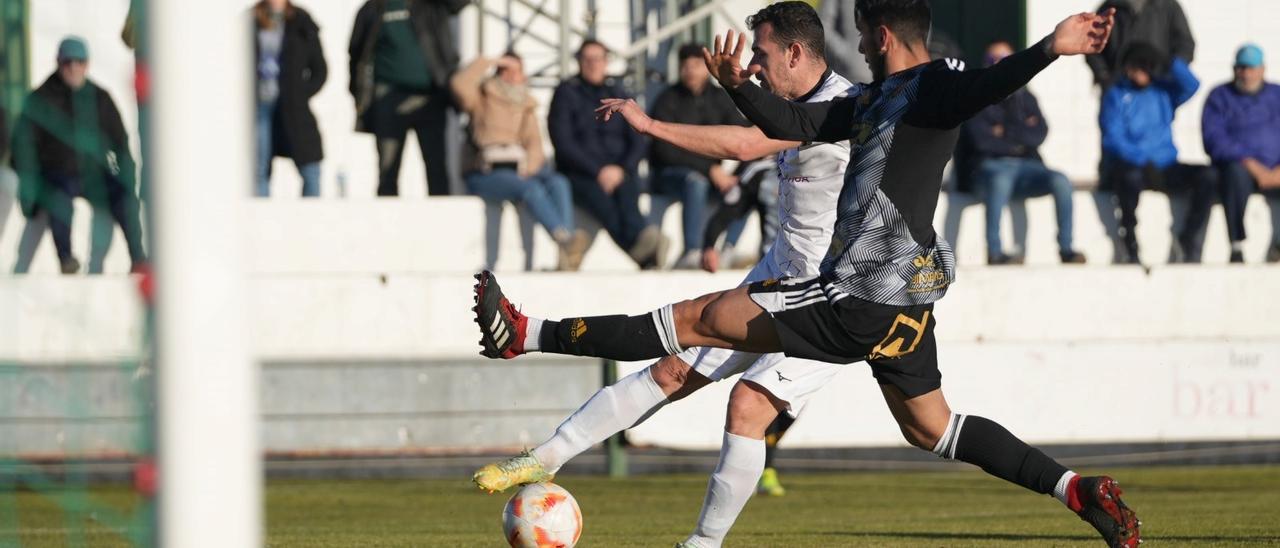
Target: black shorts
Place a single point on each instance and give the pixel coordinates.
(817, 321)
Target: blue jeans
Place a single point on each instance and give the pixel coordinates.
(693, 190)
(1003, 179)
(546, 194)
(310, 171)
(1237, 186)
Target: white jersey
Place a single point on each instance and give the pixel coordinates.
(809, 181)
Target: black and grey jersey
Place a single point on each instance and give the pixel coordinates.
(903, 131)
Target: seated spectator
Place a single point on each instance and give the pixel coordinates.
(504, 159)
(756, 190)
(70, 142)
(600, 158)
(291, 70)
(685, 176)
(1137, 144)
(1241, 128)
(1001, 158)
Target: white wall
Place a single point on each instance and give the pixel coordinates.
(1070, 101)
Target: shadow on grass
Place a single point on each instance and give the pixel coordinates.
(927, 535)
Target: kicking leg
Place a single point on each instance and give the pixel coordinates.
(726, 319)
(927, 422)
(751, 409)
(624, 404)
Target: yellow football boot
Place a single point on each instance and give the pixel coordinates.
(769, 484)
(518, 470)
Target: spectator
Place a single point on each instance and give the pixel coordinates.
(1000, 155)
(505, 160)
(1137, 144)
(291, 70)
(1160, 23)
(1241, 125)
(8, 180)
(71, 142)
(600, 158)
(842, 37)
(757, 190)
(686, 176)
(402, 54)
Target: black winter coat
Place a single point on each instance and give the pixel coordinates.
(303, 71)
(431, 22)
(63, 135)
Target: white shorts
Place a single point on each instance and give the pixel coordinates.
(791, 380)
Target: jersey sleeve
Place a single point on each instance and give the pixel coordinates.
(948, 95)
(778, 118)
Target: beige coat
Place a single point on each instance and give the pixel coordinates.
(495, 118)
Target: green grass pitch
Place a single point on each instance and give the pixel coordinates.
(1179, 506)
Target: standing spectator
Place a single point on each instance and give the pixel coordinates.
(8, 180)
(600, 158)
(402, 54)
(686, 176)
(505, 160)
(71, 142)
(291, 70)
(1241, 126)
(1159, 23)
(1137, 144)
(1000, 154)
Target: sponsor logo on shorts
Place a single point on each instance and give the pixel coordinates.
(782, 378)
(577, 328)
(769, 282)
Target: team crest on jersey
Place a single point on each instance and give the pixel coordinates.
(577, 328)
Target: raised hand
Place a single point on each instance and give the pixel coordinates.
(726, 64)
(630, 111)
(1083, 33)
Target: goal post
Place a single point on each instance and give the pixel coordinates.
(199, 148)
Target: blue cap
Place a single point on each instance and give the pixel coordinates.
(1249, 55)
(74, 48)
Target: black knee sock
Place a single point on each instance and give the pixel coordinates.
(623, 338)
(773, 435)
(984, 443)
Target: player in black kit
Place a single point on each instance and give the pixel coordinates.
(873, 300)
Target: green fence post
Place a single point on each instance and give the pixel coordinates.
(615, 452)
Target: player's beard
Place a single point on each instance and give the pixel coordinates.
(877, 65)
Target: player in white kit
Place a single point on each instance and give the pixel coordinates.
(810, 178)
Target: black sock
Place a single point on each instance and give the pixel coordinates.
(622, 338)
(984, 443)
(773, 435)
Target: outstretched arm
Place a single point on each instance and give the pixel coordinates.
(721, 141)
(950, 98)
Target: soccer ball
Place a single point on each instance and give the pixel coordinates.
(542, 515)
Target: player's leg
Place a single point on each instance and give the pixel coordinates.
(726, 319)
(629, 402)
(751, 409)
(769, 482)
(770, 386)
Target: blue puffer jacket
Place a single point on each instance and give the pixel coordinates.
(1137, 123)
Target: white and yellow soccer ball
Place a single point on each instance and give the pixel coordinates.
(542, 515)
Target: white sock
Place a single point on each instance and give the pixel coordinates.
(611, 410)
(532, 332)
(1060, 490)
(731, 485)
